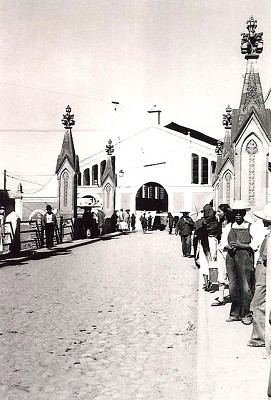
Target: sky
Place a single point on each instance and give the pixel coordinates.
(182, 56)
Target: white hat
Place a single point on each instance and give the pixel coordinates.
(239, 205)
(265, 213)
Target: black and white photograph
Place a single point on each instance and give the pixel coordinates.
(135, 199)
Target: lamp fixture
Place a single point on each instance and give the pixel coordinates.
(121, 173)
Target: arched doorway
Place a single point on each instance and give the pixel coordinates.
(152, 197)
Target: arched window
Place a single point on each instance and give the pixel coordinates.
(79, 179)
(86, 178)
(102, 167)
(194, 168)
(213, 166)
(204, 171)
(95, 175)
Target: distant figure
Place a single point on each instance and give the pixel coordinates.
(133, 221)
(170, 222)
(87, 221)
(114, 221)
(184, 227)
(101, 221)
(144, 222)
(149, 222)
(49, 222)
(128, 220)
(120, 219)
(175, 221)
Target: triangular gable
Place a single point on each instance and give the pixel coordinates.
(253, 114)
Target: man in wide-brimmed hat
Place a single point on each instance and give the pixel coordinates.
(184, 228)
(240, 265)
(258, 303)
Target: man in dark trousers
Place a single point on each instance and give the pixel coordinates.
(184, 228)
(49, 223)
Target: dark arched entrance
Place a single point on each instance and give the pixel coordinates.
(152, 197)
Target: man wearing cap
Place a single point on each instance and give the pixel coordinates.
(184, 227)
(240, 265)
(258, 303)
(49, 223)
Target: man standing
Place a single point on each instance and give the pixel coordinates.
(258, 303)
(170, 221)
(184, 227)
(240, 265)
(49, 223)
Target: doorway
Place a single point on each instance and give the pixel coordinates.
(152, 197)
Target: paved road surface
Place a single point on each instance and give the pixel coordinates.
(110, 320)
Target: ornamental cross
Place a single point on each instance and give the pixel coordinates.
(251, 42)
(219, 148)
(109, 148)
(68, 118)
(227, 118)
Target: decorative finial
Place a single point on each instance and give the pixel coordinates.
(109, 148)
(219, 148)
(68, 120)
(251, 42)
(227, 118)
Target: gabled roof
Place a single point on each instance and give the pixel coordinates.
(191, 132)
(265, 123)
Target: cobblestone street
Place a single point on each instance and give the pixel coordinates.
(115, 319)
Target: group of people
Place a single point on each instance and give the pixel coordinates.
(123, 221)
(230, 241)
(93, 222)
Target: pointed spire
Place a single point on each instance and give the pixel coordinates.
(67, 149)
(252, 95)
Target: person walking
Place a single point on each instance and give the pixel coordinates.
(87, 222)
(133, 221)
(149, 222)
(225, 219)
(240, 265)
(258, 304)
(206, 230)
(144, 222)
(184, 228)
(49, 222)
(170, 221)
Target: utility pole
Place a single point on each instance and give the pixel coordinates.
(5, 180)
(156, 111)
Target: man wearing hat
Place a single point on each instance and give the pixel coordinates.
(184, 227)
(240, 265)
(49, 223)
(258, 303)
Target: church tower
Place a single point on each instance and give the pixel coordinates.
(67, 169)
(243, 171)
(108, 181)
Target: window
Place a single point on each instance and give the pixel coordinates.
(79, 179)
(204, 170)
(195, 168)
(86, 178)
(95, 175)
(102, 168)
(213, 166)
